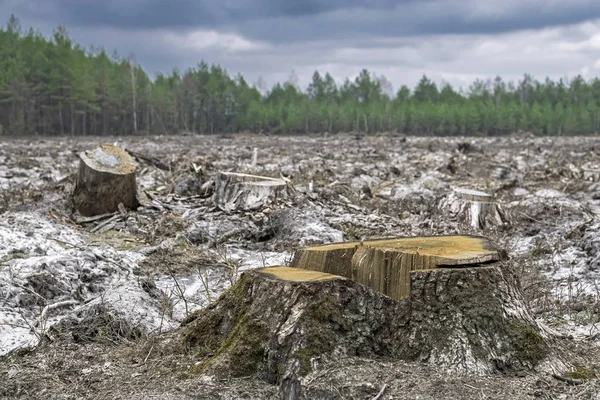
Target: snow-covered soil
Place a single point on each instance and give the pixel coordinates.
(150, 268)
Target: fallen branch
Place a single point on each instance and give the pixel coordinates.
(44, 315)
(226, 236)
(87, 220)
(381, 392)
(104, 224)
(568, 381)
(153, 161)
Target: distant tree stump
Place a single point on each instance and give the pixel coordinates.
(385, 265)
(587, 173)
(591, 174)
(107, 177)
(474, 208)
(243, 192)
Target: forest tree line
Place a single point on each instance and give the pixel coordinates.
(53, 86)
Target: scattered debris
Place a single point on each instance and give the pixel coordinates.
(177, 252)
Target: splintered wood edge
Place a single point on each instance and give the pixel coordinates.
(257, 178)
(127, 164)
(450, 250)
(474, 195)
(465, 268)
(291, 274)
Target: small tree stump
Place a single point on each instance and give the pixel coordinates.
(586, 173)
(385, 265)
(591, 174)
(243, 192)
(474, 208)
(107, 177)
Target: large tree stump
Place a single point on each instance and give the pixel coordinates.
(243, 192)
(474, 208)
(589, 173)
(385, 265)
(107, 177)
(280, 323)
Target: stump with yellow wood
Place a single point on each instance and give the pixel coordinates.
(385, 265)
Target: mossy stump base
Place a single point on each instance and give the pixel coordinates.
(282, 323)
(244, 192)
(474, 320)
(385, 265)
(107, 178)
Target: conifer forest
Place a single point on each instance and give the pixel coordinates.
(53, 86)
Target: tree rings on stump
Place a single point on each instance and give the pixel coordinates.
(385, 265)
(107, 177)
(243, 192)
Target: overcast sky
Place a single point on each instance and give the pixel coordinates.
(454, 41)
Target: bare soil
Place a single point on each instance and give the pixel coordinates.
(114, 288)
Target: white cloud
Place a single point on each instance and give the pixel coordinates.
(457, 59)
(203, 40)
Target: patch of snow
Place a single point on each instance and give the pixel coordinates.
(45, 263)
(250, 260)
(519, 192)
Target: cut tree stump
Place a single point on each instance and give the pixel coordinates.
(591, 174)
(385, 265)
(107, 177)
(243, 192)
(474, 208)
(281, 323)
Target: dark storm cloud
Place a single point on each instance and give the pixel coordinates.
(448, 40)
(424, 18)
(168, 14)
(298, 20)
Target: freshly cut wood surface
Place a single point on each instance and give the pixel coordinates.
(295, 274)
(385, 265)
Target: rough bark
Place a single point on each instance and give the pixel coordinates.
(281, 323)
(107, 177)
(385, 265)
(473, 320)
(243, 192)
(474, 208)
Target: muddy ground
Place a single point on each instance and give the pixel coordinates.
(83, 302)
